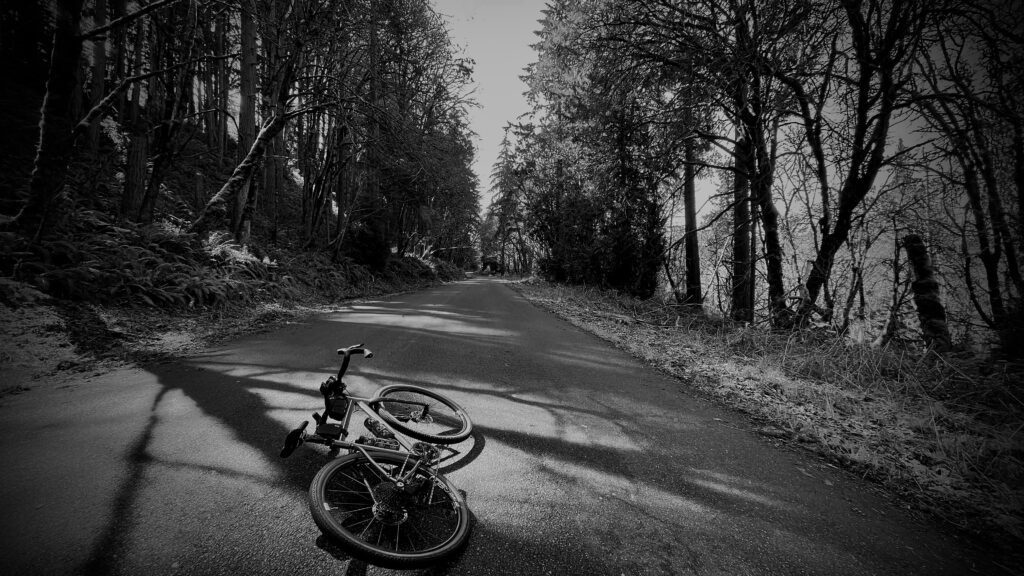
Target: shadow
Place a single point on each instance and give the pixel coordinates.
(234, 402)
(509, 395)
(463, 459)
(101, 561)
(355, 567)
(676, 477)
(560, 413)
(497, 552)
(230, 401)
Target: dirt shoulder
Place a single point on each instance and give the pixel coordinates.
(46, 343)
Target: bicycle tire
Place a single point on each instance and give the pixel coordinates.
(448, 423)
(344, 508)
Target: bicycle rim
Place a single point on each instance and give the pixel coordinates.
(423, 414)
(378, 521)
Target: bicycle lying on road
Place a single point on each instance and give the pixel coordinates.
(385, 501)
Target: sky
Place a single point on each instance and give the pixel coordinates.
(497, 34)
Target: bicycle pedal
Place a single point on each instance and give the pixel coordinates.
(378, 429)
(428, 451)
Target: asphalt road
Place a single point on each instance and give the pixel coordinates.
(584, 461)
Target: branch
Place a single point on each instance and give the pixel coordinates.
(124, 20)
(102, 104)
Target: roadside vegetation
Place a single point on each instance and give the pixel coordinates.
(89, 302)
(944, 432)
(178, 170)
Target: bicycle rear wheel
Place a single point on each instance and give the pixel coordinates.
(422, 414)
(382, 522)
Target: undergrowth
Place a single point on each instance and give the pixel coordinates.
(162, 266)
(943, 431)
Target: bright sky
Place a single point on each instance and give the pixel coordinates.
(497, 34)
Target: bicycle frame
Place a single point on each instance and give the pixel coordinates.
(334, 392)
(364, 404)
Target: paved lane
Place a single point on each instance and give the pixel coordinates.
(585, 462)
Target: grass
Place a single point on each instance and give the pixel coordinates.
(945, 433)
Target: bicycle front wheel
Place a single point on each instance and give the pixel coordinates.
(422, 414)
(384, 522)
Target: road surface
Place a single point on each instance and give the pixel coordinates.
(584, 460)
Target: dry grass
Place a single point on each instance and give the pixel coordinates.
(945, 433)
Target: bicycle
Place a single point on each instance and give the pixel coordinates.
(385, 501)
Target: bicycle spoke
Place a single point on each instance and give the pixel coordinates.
(340, 491)
(422, 538)
(352, 512)
(370, 519)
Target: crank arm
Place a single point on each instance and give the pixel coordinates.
(294, 439)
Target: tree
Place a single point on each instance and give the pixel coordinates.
(962, 92)
(864, 81)
(55, 145)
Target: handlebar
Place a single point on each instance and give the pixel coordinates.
(347, 353)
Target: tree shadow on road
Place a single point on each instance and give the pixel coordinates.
(581, 382)
(237, 403)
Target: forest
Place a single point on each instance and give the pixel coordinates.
(186, 154)
(786, 164)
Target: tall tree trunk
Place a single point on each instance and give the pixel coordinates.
(99, 73)
(821, 269)
(346, 188)
(223, 88)
(119, 55)
(997, 214)
(138, 138)
(155, 112)
(135, 173)
(851, 298)
(1018, 174)
(990, 255)
(761, 189)
(273, 182)
(691, 254)
(742, 269)
(892, 322)
(780, 313)
(246, 115)
(209, 79)
(54, 147)
(926, 296)
(178, 42)
(273, 165)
